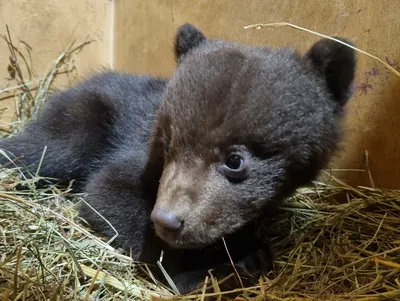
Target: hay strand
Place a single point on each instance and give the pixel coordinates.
(280, 24)
(28, 103)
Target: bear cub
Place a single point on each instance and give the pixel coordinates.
(178, 164)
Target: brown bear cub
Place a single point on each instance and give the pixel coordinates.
(178, 164)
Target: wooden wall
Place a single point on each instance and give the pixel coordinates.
(142, 43)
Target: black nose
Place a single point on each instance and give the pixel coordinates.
(165, 219)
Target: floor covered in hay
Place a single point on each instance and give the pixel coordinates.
(333, 243)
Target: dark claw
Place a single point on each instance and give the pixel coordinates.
(255, 264)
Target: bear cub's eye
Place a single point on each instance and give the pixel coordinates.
(234, 162)
(235, 166)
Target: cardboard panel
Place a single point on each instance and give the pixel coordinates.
(143, 44)
(48, 27)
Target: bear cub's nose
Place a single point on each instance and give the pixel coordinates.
(166, 220)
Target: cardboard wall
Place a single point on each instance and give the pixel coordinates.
(143, 44)
(48, 27)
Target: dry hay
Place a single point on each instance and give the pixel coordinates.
(281, 24)
(47, 253)
(30, 90)
(334, 243)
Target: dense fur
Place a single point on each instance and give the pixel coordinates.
(137, 144)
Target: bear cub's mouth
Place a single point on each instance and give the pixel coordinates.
(176, 239)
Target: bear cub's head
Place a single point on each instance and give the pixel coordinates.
(241, 128)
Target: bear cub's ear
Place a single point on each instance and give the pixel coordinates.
(336, 62)
(187, 37)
